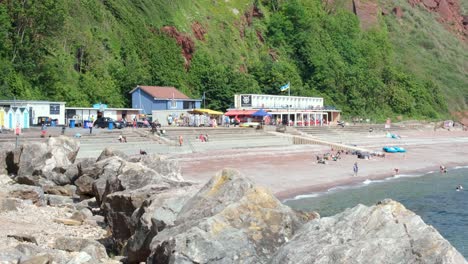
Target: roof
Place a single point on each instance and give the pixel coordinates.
(239, 112)
(29, 102)
(163, 92)
(107, 109)
(207, 111)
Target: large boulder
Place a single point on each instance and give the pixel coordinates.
(119, 207)
(230, 220)
(46, 160)
(383, 233)
(25, 192)
(93, 248)
(155, 214)
(110, 152)
(5, 154)
(170, 169)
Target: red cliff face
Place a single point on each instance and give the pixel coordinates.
(448, 10)
(184, 41)
(449, 14)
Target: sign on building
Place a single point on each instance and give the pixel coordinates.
(246, 100)
(54, 109)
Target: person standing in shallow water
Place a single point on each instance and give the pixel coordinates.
(355, 169)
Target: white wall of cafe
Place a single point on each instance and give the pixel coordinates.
(257, 101)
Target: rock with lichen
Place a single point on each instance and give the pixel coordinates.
(230, 220)
(383, 233)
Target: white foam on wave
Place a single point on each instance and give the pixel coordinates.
(303, 196)
(460, 167)
(367, 182)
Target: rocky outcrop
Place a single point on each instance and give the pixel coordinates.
(384, 233)
(91, 247)
(109, 152)
(169, 169)
(228, 221)
(184, 41)
(6, 159)
(26, 192)
(46, 163)
(449, 12)
(155, 214)
(367, 11)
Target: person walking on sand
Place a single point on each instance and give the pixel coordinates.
(355, 169)
(181, 140)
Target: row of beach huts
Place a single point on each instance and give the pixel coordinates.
(12, 117)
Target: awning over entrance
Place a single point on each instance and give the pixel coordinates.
(239, 112)
(207, 111)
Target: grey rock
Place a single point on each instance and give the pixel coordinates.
(85, 166)
(93, 248)
(80, 258)
(155, 214)
(28, 251)
(169, 169)
(84, 185)
(11, 256)
(109, 152)
(230, 220)
(26, 192)
(103, 171)
(119, 207)
(87, 203)
(6, 151)
(9, 204)
(5, 180)
(383, 233)
(58, 200)
(68, 190)
(24, 238)
(46, 160)
(39, 259)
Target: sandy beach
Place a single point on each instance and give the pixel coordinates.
(293, 171)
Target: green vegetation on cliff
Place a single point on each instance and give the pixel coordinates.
(91, 51)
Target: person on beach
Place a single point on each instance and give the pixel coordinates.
(396, 170)
(443, 169)
(355, 168)
(181, 140)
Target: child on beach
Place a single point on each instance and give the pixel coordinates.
(355, 168)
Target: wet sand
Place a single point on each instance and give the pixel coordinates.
(293, 171)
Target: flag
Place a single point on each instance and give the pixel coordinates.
(284, 87)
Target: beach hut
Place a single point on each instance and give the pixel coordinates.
(25, 118)
(18, 118)
(11, 118)
(2, 117)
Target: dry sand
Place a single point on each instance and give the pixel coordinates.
(293, 170)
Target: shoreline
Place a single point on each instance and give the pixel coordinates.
(293, 194)
(291, 173)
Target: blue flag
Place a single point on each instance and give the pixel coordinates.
(284, 87)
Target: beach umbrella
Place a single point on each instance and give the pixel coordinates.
(261, 113)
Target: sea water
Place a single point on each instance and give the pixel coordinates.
(432, 196)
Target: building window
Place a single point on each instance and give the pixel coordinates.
(173, 103)
(188, 105)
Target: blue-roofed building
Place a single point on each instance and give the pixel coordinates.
(159, 98)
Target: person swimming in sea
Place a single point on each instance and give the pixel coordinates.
(443, 169)
(459, 188)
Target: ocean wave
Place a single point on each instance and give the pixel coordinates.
(460, 167)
